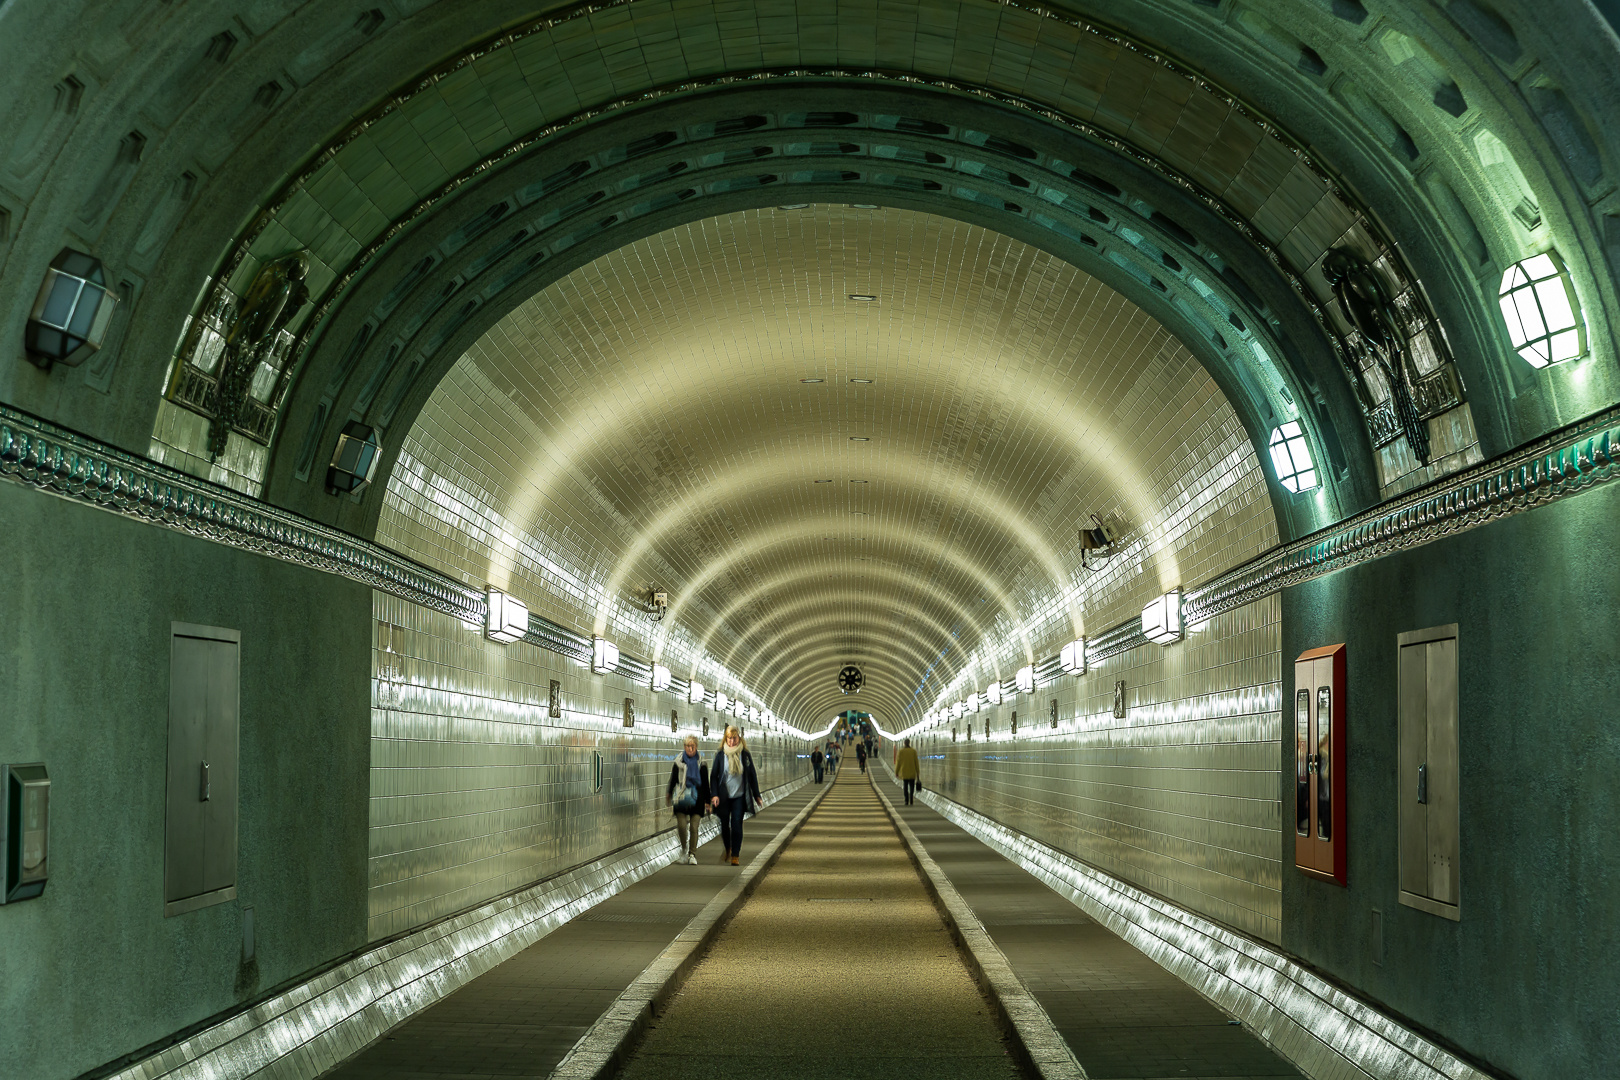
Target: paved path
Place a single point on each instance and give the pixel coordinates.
(519, 1019)
(1123, 1015)
(838, 966)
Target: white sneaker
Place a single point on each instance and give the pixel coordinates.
(691, 860)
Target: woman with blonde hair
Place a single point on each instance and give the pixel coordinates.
(688, 796)
(734, 791)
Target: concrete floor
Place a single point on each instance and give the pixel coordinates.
(1123, 1015)
(837, 966)
(518, 1020)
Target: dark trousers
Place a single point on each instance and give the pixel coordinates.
(818, 773)
(863, 764)
(910, 787)
(731, 819)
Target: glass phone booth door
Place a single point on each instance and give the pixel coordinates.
(1317, 715)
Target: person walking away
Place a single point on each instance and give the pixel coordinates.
(860, 755)
(907, 768)
(688, 796)
(815, 762)
(734, 790)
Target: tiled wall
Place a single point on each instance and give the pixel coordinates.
(1181, 796)
(475, 791)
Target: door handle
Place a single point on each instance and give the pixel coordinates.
(1423, 783)
(203, 791)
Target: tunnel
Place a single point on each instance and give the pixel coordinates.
(1113, 495)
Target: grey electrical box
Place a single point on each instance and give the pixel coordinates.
(1429, 840)
(200, 834)
(25, 832)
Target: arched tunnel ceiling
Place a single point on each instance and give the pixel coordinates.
(644, 420)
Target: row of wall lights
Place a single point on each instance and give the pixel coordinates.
(508, 621)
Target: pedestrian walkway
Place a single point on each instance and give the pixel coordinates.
(1122, 1015)
(838, 966)
(519, 1019)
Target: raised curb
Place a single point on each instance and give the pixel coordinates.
(1042, 1049)
(604, 1049)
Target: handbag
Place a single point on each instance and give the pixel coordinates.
(686, 801)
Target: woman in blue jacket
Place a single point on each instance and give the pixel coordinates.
(734, 791)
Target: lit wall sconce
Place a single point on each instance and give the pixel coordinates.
(660, 678)
(1161, 620)
(507, 620)
(71, 313)
(694, 692)
(354, 460)
(721, 702)
(992, 694)
(1073, 658)
(1025, 679)
(604, 656)
(1542, 312)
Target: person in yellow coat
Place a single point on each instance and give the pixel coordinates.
(908, 770)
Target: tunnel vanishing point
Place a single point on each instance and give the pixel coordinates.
(1190, 424)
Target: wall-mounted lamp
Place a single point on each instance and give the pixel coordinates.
(1161, 620)
(694, 692)
(354, 460)
(1073, 657)
(71, 313)
(721, 702)
(508, 619)
(1025, 679)
(604, 656)
(992, 693)
(660, 678)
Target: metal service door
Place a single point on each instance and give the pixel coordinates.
(1318, 721)
(200, 835)
(1429, 781)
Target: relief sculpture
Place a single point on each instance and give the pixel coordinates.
(276, 295)
(1367, 306)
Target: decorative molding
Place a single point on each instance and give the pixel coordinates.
(37, 453)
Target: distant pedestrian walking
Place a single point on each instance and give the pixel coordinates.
(907, 768)
(734, 791)
(815, 762)
(688, 796)
(860, 755)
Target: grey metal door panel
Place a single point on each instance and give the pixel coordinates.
(219, 835)
(1414, 822)
(1442, 761)
(201, 811)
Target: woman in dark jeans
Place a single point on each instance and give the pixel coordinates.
(734, 791)
(689, 771)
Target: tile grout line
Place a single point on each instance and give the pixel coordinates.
(602, 1051)
(1041, 1047)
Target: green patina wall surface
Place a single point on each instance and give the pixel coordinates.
(1526, 981)
(93, 970)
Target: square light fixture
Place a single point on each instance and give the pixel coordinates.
(694, 692)
(992, 693)
(721, 702)
(1025, 679)
(1161, 620)
(660, 678)
(1073, 657)
(604, 656)
(354, 459)
(507, 619)
(1291, 458)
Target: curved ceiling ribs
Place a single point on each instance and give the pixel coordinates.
(459, 226)
(648, 417)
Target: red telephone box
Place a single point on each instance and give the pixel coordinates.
(1319, 764)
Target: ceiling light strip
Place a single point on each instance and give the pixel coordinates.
(39, 454)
